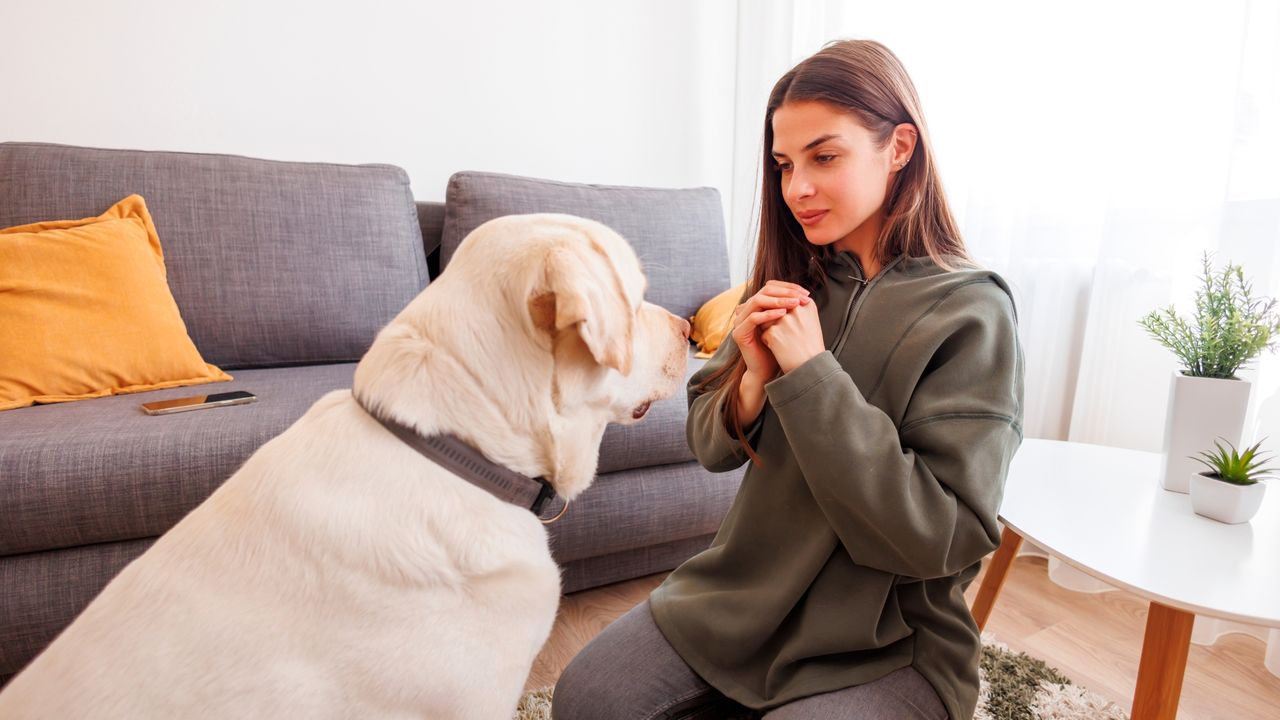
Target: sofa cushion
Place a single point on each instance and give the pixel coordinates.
(101, 470)
(271, 263)
(713, 321)
(677, 234)
(123, 474)
(71, 333)
(643, 507)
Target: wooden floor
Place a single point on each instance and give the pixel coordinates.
(1094, 639)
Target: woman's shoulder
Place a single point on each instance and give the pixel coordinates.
(963, 286)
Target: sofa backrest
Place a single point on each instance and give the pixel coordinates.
(271, 263)
(678, 234)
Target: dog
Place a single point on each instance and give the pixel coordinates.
(340, 573)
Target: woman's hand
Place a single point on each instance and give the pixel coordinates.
(756, 315)
(795, 337)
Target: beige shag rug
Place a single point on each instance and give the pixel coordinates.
(1015, 686)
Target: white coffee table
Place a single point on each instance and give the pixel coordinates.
(1101, 510)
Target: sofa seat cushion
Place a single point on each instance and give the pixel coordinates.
(643, 507)
(102, 470)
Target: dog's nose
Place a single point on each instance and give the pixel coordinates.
(685, 328)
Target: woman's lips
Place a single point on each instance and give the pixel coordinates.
(813, 217)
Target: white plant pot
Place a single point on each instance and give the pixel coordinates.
(1200, 411)
(1224, 501)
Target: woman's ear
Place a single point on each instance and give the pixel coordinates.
(904, 140)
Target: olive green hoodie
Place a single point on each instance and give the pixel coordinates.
(847, 550)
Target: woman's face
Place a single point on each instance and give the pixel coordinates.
(834, 179)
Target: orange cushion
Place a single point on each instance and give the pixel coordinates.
(87, 311)
(711, 323)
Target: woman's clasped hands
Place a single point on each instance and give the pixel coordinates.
(777, 329)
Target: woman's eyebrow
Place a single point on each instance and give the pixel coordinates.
(811, 145)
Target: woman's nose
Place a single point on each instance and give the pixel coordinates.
(799, 188)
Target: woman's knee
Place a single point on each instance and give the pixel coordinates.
(627, 671)
(901, 694)
(575, 695)
(580, 691)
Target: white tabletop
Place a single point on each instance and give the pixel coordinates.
(1102, 510)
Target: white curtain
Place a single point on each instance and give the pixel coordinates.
(1091, 151)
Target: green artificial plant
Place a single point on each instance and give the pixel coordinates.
(1247, 468)
(1230, 326)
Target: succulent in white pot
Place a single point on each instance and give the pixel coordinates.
(1231, 491)
(1230, 328)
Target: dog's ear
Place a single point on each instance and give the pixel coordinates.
(583, 291)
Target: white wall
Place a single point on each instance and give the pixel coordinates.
(636, 93)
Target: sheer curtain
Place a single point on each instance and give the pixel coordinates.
(1091, 152)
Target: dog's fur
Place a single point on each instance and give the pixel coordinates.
(339, 573)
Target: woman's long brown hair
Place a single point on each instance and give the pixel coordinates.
(866, 80)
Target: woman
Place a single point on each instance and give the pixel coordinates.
(874, 381)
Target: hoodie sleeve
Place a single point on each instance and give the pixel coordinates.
(919, 500)
(710, 439)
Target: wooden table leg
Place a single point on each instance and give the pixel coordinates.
(1164, 660)
(995, 576)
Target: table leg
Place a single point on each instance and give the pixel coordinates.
(995, 576)
(1164, 660)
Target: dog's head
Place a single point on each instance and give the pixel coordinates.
(535, 337)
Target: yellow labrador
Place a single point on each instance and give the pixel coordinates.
(342, 572)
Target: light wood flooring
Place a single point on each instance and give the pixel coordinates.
(1094, 639)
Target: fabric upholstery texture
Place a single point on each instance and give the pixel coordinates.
(101, 470)
(264, 258)
(677, 234)
(124, 474)
(600, 570)
(41, 593)
(88, 313)
(641, 508)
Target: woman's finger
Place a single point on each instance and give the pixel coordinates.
(766, 300)
(752, 320)
(786, 286)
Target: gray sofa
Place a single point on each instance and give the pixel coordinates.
(284, 272)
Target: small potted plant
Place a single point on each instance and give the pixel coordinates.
(1231, 492)
(1206, 400)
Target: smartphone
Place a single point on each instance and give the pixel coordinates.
(196, 402)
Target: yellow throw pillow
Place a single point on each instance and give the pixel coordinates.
(87, 311)
(711, 323)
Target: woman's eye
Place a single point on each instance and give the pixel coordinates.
(782, 167)
(826, 158)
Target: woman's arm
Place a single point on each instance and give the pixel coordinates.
(920, 500)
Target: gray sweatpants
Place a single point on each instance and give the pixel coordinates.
(631, 672)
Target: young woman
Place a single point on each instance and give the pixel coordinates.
(874, 382)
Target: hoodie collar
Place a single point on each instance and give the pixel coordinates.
(844, 267)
